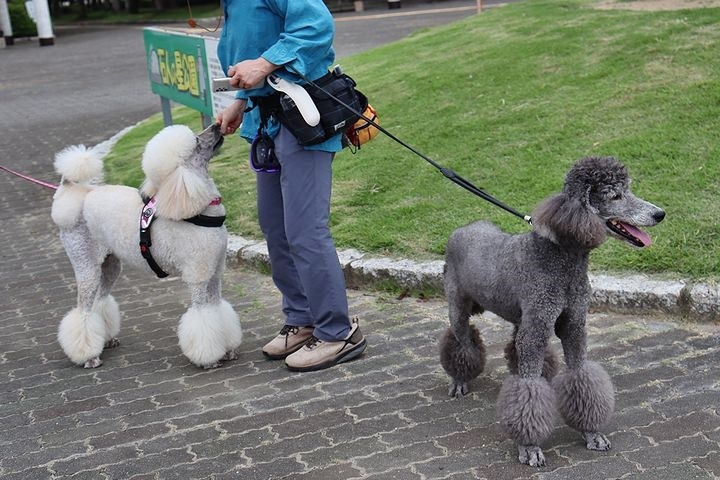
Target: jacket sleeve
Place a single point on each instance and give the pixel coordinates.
(306, 42)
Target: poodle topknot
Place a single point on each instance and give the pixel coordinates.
(596, 174)
(166, 151)
(176, 175)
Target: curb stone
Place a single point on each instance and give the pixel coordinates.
(638, 294)
(703, 300)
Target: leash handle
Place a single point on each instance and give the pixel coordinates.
(448, 173)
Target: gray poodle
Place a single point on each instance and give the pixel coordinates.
(538, 281)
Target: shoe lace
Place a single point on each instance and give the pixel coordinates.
(312, 342)
(289, 330)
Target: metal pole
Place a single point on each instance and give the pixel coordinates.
(5, 25)
(166, 111)
(43, 23)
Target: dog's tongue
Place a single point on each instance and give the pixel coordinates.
(643, 237)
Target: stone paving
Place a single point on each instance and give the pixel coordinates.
(149, 414)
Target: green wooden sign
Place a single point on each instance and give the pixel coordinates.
(177, 65)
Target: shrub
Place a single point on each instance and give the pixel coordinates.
(22, 24)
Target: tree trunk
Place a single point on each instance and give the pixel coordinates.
(55, 7)
(133, 6)
(82, 14)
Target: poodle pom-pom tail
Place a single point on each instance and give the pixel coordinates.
(78, 164)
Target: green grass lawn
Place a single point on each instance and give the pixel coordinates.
(509, 99)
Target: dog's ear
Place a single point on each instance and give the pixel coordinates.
(566, 221)
(183, 194)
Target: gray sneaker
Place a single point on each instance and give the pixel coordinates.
(317, 354)
(289, 340)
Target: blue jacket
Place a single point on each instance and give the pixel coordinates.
(283, 32)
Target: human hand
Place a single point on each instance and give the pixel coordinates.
(231, 117)
(250, 73)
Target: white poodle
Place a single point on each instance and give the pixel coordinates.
(100, 227)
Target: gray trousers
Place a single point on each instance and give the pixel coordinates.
(294, 211)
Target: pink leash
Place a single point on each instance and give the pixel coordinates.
(30, 179)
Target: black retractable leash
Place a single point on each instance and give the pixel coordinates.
(448, 173)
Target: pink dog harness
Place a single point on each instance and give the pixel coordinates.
(146, 219)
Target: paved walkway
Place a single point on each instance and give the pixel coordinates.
(148, 414)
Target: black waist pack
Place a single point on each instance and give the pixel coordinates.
(335, 118)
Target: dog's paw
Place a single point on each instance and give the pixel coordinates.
(531, 455)
(230, 356)
(112, 343)
(458, 389)
(596, 441)
(211, 366)
(93, 363)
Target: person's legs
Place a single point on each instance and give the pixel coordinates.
(298, 319)
(272, 223)
(305, 184)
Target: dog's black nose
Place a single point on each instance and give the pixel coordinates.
(659, 215)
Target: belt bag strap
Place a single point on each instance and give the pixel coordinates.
(267, 106)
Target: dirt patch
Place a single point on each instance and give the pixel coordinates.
(655, 5)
